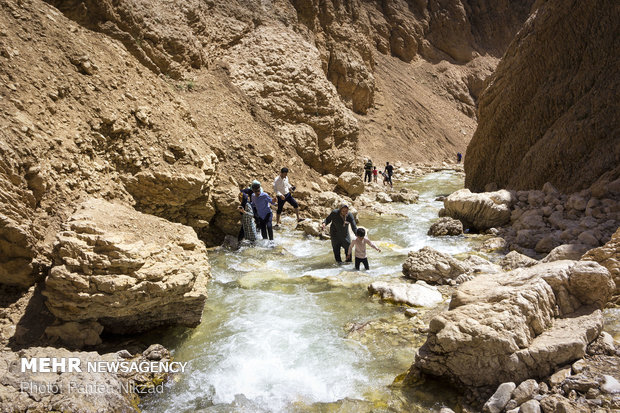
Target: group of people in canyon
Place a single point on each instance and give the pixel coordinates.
(371, 173)
(256, 215)
(255, 207)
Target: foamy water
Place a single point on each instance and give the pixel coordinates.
(273, 333)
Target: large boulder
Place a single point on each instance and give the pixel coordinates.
(351, 182)
(419, 294)
(566, 252)
(433, 266)
(125, 270)
(514, 260)
(446, 226)
(515, 326)
(479, 211)
(405, 196)
(609, 257)
(179, 192)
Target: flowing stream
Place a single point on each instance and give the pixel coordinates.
(286, 329)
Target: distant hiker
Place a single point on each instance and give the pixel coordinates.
(262, 201)
(374, 174)
(340, 220)
(283, 190)
(368, 170)
(459, 157)
(390, 171)
(360, 243)
(386, 178)
(248, 227)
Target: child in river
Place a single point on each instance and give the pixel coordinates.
(359, 243)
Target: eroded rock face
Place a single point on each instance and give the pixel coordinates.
(479, 211)
(433, 266)
(352, 183)
(179, 192)
(446, 226)
(287, 81)
(609, 257)
(516, 326)
(543, 117)
(514, 260)
(127, 271)
(17, 239)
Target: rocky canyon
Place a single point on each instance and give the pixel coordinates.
(128, 128)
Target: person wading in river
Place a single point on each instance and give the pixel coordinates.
(341, 219)
(283, 190)
(368, 170)
(262, 201)
(359, 243)
(248, 228)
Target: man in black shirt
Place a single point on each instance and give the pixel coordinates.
(340, 220)
(390, 170)
(368, 170)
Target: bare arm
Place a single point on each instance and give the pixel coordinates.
(369, 242)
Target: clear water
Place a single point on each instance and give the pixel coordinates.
(276, 329)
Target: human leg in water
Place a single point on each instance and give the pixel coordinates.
(336, 245)
(359, 261)
(266, 230)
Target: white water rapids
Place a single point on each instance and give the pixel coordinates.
(273, 335)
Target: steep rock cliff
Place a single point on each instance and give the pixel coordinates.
(550, 111)
(170, 106)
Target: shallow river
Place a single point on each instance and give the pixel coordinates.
(276, 329)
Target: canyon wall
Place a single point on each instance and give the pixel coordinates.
(170, 106)
(550, 112)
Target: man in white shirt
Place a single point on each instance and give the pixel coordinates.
(283, 188)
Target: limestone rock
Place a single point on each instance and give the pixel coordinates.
(494, 244)
(405, 196)
(446, 226)
(479, 211)
(310, 227)
(17, 237)
(610, 385)
(500, 398)
(352, 183)
(537, 113)
(477, 264)
(432, 266)
(566, 252)
(609, 257)
(128, 271)
(530, 406)
(514, 260)
(419, 294)
(179, 193)
(525, 391)
(296, 92)
(516, 326)
(76, 334)
(383, 198)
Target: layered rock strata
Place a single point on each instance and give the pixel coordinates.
(546, 115)
(125, 272)
(518, 325)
